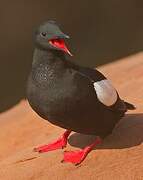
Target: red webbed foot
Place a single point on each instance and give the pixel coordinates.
(76, 157)
(58, 144)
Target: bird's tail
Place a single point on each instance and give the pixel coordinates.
(129, 106)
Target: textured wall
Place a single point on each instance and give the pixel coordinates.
(101, 31)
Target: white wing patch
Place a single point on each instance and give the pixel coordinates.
(106, 93)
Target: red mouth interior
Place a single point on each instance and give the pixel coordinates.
(59, 43)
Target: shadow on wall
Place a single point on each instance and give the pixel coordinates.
(128, 133)
(100, 31)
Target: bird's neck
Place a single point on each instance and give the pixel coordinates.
(48, 56)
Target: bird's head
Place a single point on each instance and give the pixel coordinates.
(49, 36)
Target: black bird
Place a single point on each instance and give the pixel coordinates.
(73, 97)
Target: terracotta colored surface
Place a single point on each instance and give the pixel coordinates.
(120, 157)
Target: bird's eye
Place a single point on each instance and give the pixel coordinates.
(43, 34)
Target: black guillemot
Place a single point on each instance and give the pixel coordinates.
(76, 98)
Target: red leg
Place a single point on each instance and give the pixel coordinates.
(77, 157)
(58, 144)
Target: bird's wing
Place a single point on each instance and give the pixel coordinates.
(92, 74)
(104, 89)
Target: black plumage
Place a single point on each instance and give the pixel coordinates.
(63, 93)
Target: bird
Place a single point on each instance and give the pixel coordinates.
(68, 95)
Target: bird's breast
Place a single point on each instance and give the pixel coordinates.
(49, 91)
(53, 93)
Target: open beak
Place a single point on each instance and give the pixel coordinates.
(59, 43)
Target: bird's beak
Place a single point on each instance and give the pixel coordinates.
(63, 36)
(59, 43)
